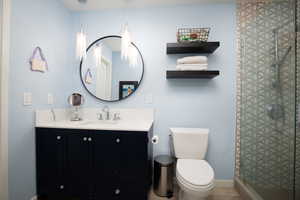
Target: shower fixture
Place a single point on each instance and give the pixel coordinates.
(276, 111)
(279, 62)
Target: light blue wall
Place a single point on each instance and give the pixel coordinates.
(45, 23)
(179, 103)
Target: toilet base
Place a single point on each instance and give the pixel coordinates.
(185, 193)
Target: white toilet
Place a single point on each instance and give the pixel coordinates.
(194, 175)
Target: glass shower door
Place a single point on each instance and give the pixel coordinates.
(268, 98)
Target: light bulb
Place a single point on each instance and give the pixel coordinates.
(81, 45)
(125, 43)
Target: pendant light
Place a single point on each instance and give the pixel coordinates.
(125, 42)
(128, 50)
(81, 45)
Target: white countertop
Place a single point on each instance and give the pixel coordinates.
(131, 120)
(123, 125)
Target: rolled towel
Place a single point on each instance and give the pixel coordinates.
(192, 67)
(193, 60)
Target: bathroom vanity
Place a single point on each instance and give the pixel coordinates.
(94, 160)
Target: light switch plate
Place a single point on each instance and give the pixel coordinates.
(50, 99)
(27, 99)
(148, 98)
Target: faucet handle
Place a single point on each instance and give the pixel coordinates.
(99, 116)
(105, 109)
(117, 116)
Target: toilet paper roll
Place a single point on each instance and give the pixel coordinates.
(155, 139)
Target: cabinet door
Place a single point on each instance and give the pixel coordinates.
(106, 148)
(134, 156)
(79, 165)
(51, 163)
(134, 166)
(107, 172)
(120, 165)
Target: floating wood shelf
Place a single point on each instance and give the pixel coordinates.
(173, 74)
(193, 47)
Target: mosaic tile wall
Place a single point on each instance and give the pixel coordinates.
(297, 163)
(265, 146)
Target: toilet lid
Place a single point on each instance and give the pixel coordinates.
(195, 172)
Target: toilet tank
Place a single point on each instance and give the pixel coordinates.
(190, 143)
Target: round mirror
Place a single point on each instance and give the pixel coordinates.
(106, 74)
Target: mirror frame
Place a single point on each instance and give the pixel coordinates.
(81, 62)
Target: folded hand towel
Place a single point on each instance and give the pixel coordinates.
(192, 67)
(193, 60)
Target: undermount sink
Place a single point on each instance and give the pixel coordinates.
(97, 122)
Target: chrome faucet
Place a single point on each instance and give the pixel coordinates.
(107, 112)
(117, 116)
(53, 114)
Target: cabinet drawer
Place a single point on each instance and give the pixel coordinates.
(107, 188)
(113, 189)
(133, 190)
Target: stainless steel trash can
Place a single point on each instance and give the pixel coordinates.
(163, 176)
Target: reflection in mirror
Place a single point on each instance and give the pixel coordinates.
(106, 75)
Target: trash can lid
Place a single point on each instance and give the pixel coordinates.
(164, 160)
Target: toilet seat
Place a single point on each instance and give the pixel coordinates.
(194, 174)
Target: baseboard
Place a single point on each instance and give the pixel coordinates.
(224, 183)
(245, 190)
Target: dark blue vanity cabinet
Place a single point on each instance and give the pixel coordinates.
(93, 165)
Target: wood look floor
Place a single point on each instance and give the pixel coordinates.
(219, 193)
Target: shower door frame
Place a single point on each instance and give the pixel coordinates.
(295, 46)
(4, 93)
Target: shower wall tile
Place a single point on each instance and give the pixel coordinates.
(297, 163)
(238, 93)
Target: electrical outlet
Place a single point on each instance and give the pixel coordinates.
(50, 99)
(27, 99)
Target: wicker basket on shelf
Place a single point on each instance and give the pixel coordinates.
(193, 34)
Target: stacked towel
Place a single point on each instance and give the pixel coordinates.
(192, 67)
(192, 63)
(193, 60)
